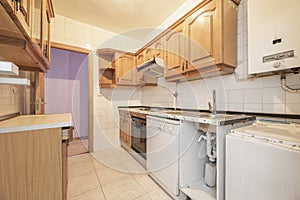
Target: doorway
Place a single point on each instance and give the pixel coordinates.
(66, 91)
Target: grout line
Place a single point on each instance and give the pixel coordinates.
(97, 175)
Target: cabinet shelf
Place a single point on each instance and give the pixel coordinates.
(199, 191)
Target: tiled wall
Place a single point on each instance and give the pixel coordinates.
(15, 98)
(107, 114)
(234, 92)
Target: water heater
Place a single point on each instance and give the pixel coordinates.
(273, 35)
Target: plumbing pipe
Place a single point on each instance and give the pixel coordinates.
(209, 146)
(285, 87)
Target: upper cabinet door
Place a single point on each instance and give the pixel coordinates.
(148, 53)
(202, 35)
(23, 12)
(174, 51)
(125, 71)
(158, 49)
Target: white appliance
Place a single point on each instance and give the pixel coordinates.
(273, 35)
(162, 153)
(263, 162)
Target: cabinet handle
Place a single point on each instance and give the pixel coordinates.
(182, 68)
(186, 64)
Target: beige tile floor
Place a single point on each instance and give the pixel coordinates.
(111, 174)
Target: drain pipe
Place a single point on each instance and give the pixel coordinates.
(285, 87)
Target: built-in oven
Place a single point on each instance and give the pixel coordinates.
(139, 137)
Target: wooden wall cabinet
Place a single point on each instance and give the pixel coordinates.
(209, 43)
(125, 128)
(18, 43)
(125, 69)
(118, 68)
(174, 50)
(201, 44)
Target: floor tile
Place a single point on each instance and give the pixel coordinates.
(146, 182)
(159, 194)
(123, 189)
(80, 164)
(144, 197)
(82, 183)
(106, 157)
(91, 195)
(109, 175)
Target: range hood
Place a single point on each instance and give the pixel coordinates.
(8, 68)
(153, 67)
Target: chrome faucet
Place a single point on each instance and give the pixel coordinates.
(213, 108)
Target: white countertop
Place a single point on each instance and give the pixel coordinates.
(35, 122)
(194, 116)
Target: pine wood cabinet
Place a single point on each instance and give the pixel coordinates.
(125, 70)
(209, 42)
(33, 165)
(201, 44)
(18, 41)
(174, 50)
(125, 128)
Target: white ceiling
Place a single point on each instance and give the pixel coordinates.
(118, 16)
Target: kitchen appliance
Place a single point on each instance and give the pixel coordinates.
(153, 67)
(262, 162)
(162, 153)
(138, 139)
(273, 35)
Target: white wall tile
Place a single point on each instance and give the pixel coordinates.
(253, 108)
(293, 108)
(253, 96)
(274, 95)
(274, 108)
(236, 107)
(236, 96)
(292, 98)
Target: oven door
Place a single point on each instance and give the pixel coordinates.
(138, 136)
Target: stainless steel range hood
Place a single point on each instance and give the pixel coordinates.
(153, 67)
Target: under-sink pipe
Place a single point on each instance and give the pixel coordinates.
(210, 145)
(285, 87)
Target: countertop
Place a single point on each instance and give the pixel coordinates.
(35, 122)
(194, 116)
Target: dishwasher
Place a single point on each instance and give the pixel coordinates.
(163, 152)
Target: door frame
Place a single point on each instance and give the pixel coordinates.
(90, 87)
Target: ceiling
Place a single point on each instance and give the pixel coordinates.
(119, 16)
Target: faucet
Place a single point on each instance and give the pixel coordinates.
(213, 108)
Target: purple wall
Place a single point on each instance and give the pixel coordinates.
(66, 87)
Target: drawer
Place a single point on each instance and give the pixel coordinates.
(67, 133)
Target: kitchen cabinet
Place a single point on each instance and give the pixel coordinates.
(18, 43)
(158, 49)
(125, 128)
(118, 68)
(210, 42)
(174, 43)
(106, 65)
(148, 53)
(33, 152)
(125, 69)
(22, 10)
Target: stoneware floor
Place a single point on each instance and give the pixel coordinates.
(111, 174)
